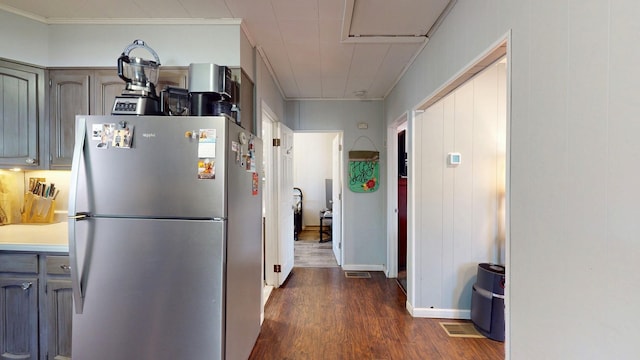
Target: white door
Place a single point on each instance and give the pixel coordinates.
(336, 222)
(269, 201)
(284, 160)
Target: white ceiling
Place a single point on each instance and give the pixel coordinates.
(336, 49)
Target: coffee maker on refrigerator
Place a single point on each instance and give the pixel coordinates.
(210, 89)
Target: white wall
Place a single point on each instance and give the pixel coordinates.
(78, 45)
(312, 164)
(364, 236)
(247, 56)
(573, 270)
(457, 207)
(267, 91)
(67, 45)
(22, 39)
(176, 45)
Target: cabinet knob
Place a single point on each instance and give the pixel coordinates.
(26, 285)
(65, 267)
(30, 161)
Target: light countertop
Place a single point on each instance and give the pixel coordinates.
(35, 237)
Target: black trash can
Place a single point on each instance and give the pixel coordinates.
(297, 212)
(487, 301)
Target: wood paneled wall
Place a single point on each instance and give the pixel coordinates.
(458, 217)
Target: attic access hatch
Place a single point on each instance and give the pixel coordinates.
(377, 21)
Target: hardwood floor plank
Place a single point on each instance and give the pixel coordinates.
(320, 314)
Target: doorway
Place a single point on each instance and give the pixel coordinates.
(269, 220)
(402, 206)
(318, 177)
(450, 230)
(277, 200)
(398, 140)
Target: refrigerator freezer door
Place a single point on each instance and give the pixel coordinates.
(244, 255)
(155, 174)
(153, 289)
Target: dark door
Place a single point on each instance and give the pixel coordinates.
(402, 224)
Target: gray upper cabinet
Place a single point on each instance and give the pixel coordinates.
(246, 103)
(21, 107)
(87, 91)
(176, 77)
(68, 96)
(107, 86)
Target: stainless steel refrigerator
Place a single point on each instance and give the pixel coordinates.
(165, 238)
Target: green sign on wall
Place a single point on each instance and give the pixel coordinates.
(364, 171)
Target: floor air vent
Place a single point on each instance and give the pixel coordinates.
(464, 330)
(357, 274)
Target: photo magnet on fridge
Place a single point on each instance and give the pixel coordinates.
(122, 138)
(206, 169)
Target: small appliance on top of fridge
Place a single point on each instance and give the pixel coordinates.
(139, 96)
(165, 238)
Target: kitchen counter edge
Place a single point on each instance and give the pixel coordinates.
(35, 238)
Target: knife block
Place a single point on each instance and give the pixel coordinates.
(38, 209)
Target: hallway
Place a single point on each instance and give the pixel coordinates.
(309, 252)
(320, 314)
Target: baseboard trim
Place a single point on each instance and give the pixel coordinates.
(362, 267)
(438, 313)
(266, 292)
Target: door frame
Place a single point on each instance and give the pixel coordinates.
(501, 47)
(338, 181)
(337, 228)
(273, 242)
(283, 154)
(392, 194)
(269, 203)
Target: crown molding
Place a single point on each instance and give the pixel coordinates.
(121, 21)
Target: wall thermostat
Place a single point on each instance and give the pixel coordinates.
(454, 158)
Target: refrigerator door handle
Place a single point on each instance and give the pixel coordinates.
(78, 156)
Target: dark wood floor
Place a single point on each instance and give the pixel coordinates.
(320, 314)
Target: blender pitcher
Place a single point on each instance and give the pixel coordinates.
(141, 75)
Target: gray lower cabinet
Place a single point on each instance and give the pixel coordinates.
(58, 309)
(19, 306)
(35, 306)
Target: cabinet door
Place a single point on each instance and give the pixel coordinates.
(59, 315)
(246, 103)
(172, 77)
(68, 97)
(19, 115)
(107, 86)
(19, 318)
